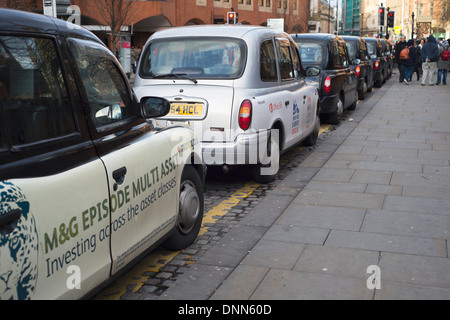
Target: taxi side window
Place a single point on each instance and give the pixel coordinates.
(296, 61)
(344, 55)
(285, 59)
(335, 55)
(268, 62)
(33, 96)
(106, 90)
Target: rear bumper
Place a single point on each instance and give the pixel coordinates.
(246, 149)
(328, 104)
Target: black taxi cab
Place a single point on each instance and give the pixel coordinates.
(336, 83)
(378, 60)
(88, 183)
(386, 48)
(359, 57)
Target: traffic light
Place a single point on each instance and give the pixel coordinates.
(232, 18)
(390, 19)
(381, 16)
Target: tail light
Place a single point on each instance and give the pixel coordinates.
(245, 114)
(358, 70)
(377, 65)
(327, 84)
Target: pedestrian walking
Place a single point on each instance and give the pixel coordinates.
(401, 44)
(410, 62)
(443, 63)
(430, 55)
(418, 63)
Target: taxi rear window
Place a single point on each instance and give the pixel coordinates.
(216, 58)
(372, 48)
(312, 53)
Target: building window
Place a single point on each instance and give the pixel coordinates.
(245, 4)
(265, 5)
(420, 9)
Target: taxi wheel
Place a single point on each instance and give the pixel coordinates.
(190, 212)
(311, 140)
(335, 118)
(361, 94)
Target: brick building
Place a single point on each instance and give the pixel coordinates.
(146, 17)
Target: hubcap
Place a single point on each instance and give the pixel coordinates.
(340, 107)
(189, 207)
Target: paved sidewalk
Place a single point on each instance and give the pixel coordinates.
(372, 201)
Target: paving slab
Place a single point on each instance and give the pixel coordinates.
(387, 242)
(337, 261)
(325, 217)
(281, 284)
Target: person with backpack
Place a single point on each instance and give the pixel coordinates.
(443, 63)
(401, 44)
(430, 56)
(408, 57)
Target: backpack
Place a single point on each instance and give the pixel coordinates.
(404, 54)
(445, 55)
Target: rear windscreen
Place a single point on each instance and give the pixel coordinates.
(372, 48)
(312, 53)
(217, 58)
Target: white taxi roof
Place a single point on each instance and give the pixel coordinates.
(235, 31)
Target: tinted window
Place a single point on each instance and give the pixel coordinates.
(335, 54)
(196, 58)
(312, 53)
(268, 62)
(296, 61)
(362, 50)
(372, 48)
(105, 88)
(343, 54)
(285, 60)
(33, 95)
(352, 48)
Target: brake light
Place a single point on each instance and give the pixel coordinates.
(245, 114)
(327, 84)
(377, 64)
(358, 70)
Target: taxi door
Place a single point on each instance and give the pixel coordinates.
(142, 174)
(293, 91)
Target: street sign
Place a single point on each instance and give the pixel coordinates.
(50, 8)
(276, 24)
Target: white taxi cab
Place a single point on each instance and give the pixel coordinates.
(88, 184)
(241, 88)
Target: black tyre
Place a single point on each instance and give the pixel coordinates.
(190, 213)
(311, 140)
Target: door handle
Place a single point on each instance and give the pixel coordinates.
(8, 221)
(286, 103)
(119, 177)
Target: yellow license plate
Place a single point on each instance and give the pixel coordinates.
(186, 109)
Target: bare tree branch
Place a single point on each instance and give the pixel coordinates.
(116, 13)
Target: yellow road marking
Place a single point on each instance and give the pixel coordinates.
(222, 208)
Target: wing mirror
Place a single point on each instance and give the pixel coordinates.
(312, 71)
(154, 107)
